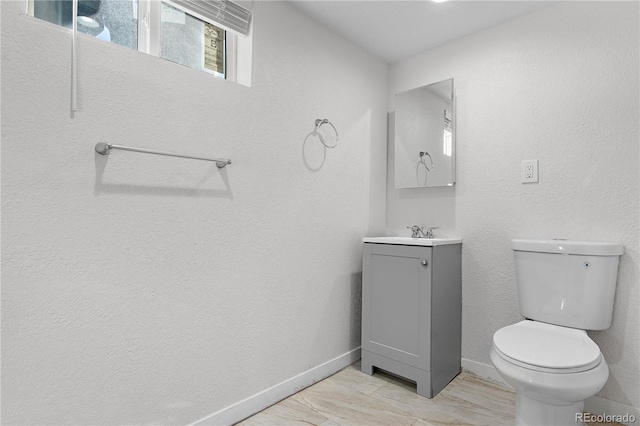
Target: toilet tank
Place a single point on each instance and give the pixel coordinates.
(568, 283)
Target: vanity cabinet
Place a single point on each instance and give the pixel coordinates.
(411, 310)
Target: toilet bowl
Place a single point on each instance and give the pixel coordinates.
(553, 370)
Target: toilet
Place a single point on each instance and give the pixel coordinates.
(564, 288)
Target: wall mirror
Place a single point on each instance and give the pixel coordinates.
(425, 136)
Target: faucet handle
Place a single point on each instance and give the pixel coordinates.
(429, 233)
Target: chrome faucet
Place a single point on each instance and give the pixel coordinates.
(418, 231)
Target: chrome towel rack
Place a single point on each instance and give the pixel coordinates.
(103, 148)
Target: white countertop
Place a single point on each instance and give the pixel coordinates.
(408, 241)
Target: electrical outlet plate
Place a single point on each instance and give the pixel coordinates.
(529, 171)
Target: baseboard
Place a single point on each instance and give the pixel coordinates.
(258, 402)
(484, 371)
(595, 405)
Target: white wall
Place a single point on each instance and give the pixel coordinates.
(140, 289)
(560, 86)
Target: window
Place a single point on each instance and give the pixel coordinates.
(188, 32)
(447, 136)
(189, 41)
(112, 20)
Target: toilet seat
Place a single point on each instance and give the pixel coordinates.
(547, 348)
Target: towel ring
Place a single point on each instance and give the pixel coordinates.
(319, 124)
(422, 160)
(426, 173)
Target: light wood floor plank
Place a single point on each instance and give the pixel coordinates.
(351, 397)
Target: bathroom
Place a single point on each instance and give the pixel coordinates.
(140, 289)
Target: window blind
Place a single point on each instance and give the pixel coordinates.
(447, 122)
(224, 13)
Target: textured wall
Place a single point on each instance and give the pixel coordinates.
(140, 289)
(560, 86)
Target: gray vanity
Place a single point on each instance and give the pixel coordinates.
(411, 309)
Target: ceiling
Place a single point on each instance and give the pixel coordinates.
(396, 30)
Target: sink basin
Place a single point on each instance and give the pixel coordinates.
(408, 241)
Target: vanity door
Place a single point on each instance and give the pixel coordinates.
(396, 302)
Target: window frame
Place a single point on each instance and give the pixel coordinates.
(149, 16)
(149, 33)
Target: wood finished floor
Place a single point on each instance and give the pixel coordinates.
(351, 397)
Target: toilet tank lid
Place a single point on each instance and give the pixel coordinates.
(589, 248)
